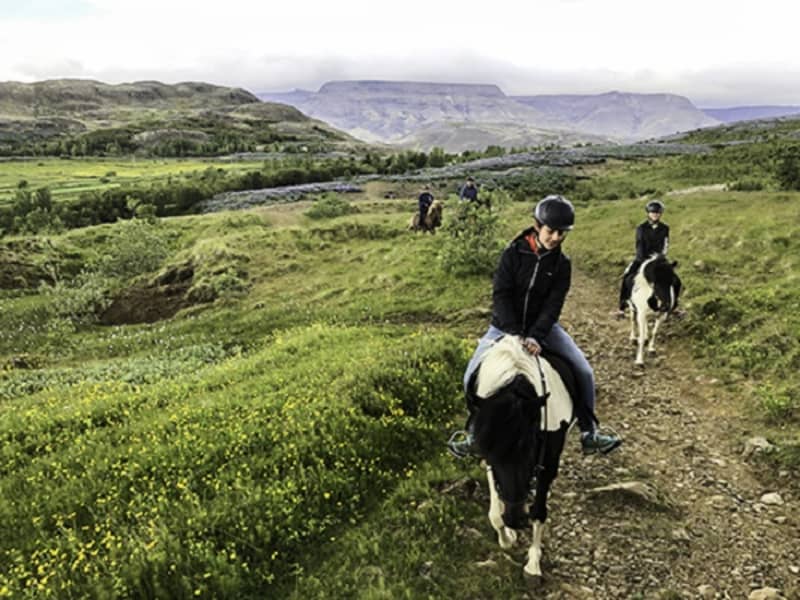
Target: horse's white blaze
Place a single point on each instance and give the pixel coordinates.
(534, 565)
(506, 359)
(506, 536)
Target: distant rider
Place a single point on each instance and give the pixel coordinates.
(425, 200)
(469, 193)
(652, 237)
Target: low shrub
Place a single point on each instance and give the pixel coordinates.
(330, 206)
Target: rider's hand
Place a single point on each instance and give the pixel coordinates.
(531, 345)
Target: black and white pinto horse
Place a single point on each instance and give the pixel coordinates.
(656, 288)
(522, 417)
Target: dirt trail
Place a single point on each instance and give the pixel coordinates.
(705, 532)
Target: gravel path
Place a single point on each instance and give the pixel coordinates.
(698, 523)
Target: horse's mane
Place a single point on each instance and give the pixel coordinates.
(501, 363)
(658, 267)
(504, 425)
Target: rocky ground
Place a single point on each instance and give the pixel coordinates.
(684, 509)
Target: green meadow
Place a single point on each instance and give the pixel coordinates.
(250, 441)
(67, 179)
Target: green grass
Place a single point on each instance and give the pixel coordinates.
(278, 439)
(211, 482)
(67, 179)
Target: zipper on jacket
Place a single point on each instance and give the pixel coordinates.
(528, 295)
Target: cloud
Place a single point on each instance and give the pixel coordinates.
(704, 50)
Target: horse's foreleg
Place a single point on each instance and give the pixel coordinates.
(633, 323)
(533, 568)
(651, 347)
(506, 537)
(642, 320)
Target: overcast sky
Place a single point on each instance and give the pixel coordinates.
(716, 53)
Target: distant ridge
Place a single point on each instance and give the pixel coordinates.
(64, 96)
(748, 113)
(461, 116)
(622, 115)
(411, 87)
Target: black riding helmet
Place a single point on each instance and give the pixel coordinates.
(556, 212)
(655, 206)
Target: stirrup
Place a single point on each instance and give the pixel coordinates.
(459, 444)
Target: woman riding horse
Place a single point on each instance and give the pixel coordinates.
(529, 289)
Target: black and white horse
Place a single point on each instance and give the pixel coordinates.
(522, 417)
(656, 287)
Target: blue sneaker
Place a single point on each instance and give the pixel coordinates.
(595, 442)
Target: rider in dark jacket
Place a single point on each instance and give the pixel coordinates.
(469, 193)
(529, 289)
(424, 200)
(652, 237)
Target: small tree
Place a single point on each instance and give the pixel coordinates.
(471, 245)
(788, 168)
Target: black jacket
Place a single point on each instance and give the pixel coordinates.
(529, 289)
(469, 192)
(651, 240)
(425, 200)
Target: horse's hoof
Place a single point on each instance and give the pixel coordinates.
(533, 582)
(651, 352)
(507, 539)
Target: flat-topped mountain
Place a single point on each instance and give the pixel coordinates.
(418, 114)
(389, 111)
(84, 117)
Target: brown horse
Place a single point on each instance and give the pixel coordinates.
(432, 220)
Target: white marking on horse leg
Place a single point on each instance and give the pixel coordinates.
(505, 537)
(633, 324)
(642, 319)
(533, 567)
(660, 319)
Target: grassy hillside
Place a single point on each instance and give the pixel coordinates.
(759, 130)
(253, 442)
(71, 117)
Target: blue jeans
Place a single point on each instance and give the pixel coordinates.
(559, 342)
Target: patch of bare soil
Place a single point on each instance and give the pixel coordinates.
(160, 299)
(698, 522)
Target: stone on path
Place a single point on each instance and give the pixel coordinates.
(773, 498)
(766, 593)
(636, 489)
